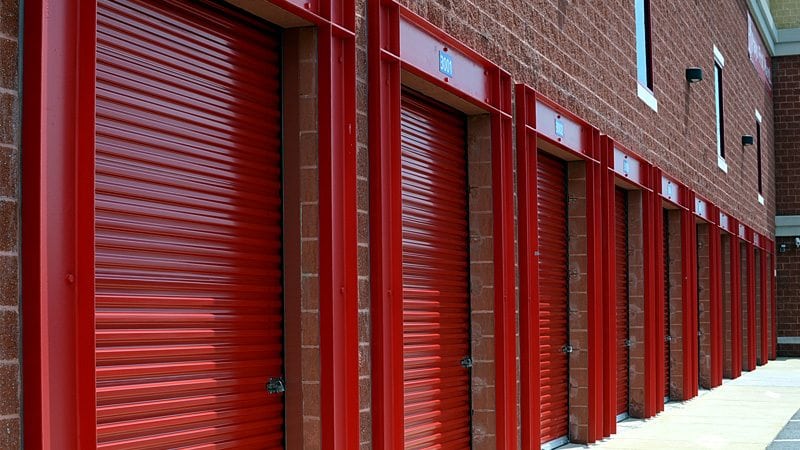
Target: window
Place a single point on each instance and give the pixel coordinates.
(758, 158)
(719, 63)
(644, 65)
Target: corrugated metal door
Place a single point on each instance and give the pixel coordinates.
(667, 337)
(189, 301)
(436, 311)
(553, 320)
(621, 229)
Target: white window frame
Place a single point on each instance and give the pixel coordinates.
(644, 92)
(759, 120)
(719, 60)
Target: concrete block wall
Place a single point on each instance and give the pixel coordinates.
(479, 155)
(636, 305)
(676, 345)
(727, 312)
(10, 381)
(578, 302)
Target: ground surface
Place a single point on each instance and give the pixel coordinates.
(742, 414)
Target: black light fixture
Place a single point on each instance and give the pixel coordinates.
(694, 74)
(747, 140)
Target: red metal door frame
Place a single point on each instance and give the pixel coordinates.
(729, 225)
(689, 299)
(619, 164)
(751, 301)
(683, 198)
(397, 37)
(537, 118)
(708, 213)
(715, 268)
(58, 245)
(654, 292)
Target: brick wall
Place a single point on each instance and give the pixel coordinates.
(785, 13)
(9, 216)
(582, 54)
(786, 80)
(788, 264)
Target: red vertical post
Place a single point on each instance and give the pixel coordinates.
(736, 302)
(609, 291)
(765, 328)
(751, 304)
(689, 299)
(715, 267)
(528, 268)
(504, 273)
(55, 329)
(338, 244)
(386, 284)
(594, 226)
(654, 301)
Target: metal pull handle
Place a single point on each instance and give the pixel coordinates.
(275, 386)
(567, 348)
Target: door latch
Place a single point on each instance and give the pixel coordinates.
(466, 362)
(567, 348)
(275, 386)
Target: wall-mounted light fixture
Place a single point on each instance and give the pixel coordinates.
(694, 74)
(747, 140)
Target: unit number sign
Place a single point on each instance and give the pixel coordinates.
(445, 64)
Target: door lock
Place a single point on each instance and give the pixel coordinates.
(628, 343)
(567, 348)
(275, 386)
(466, 362)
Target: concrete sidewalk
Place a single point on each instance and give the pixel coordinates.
(746, 413)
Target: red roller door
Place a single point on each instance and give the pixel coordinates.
(621, 208)
(436, 312)
(667, 337)
(553, 321)
(188, 227)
